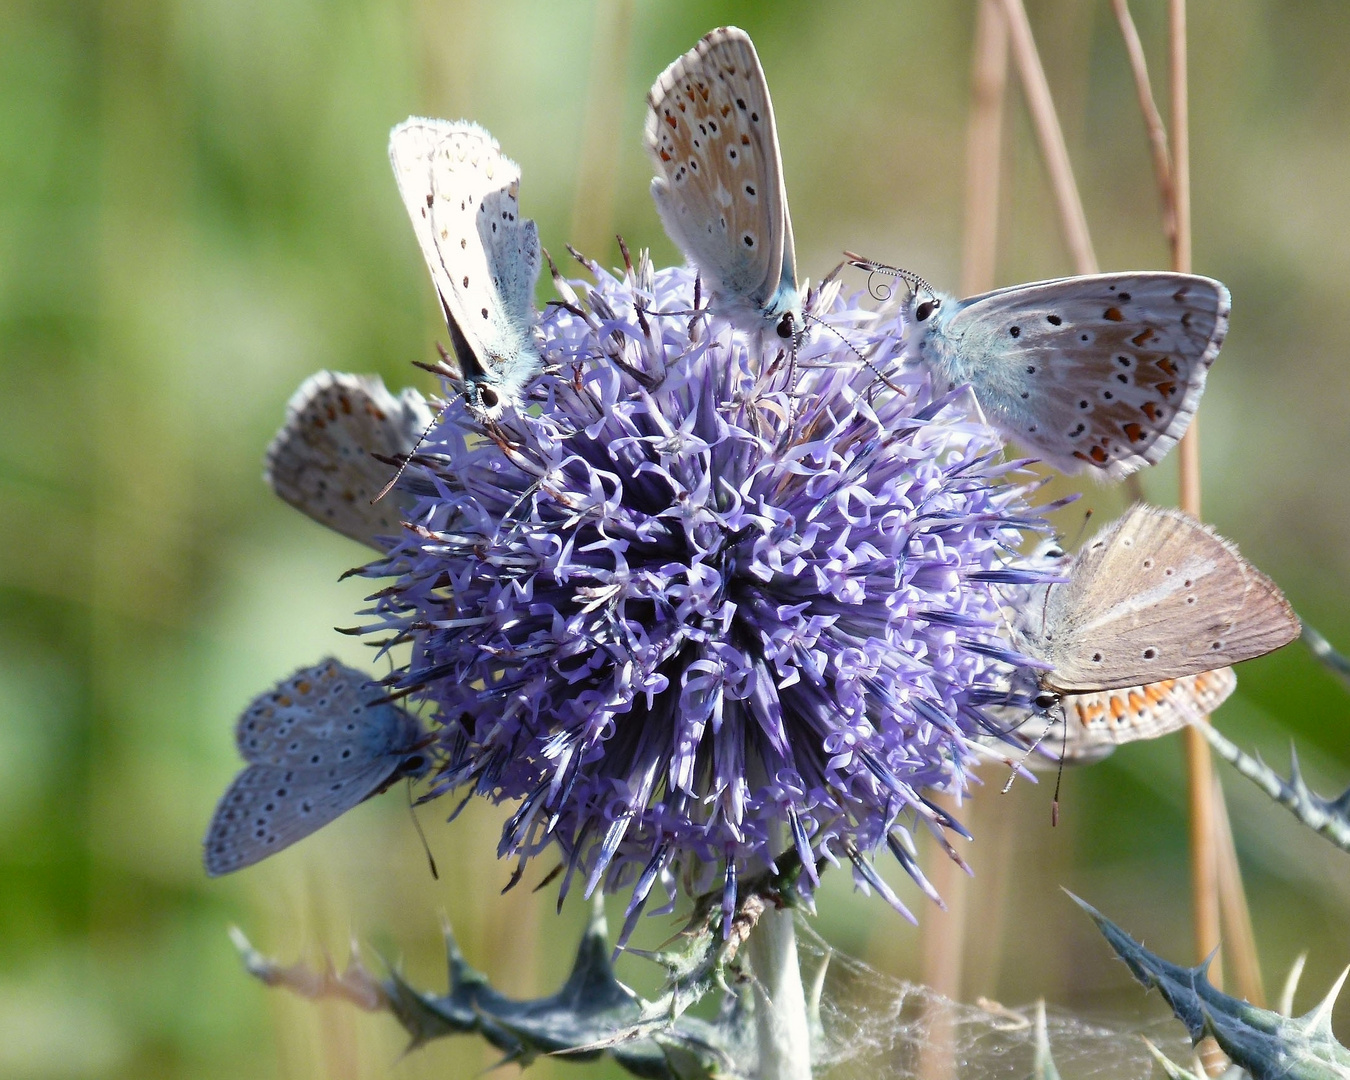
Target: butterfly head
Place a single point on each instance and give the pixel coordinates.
(1045, 700)
(783, 310)
(926, 308)
(484, 399)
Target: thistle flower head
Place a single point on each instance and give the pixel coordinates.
(706, 602)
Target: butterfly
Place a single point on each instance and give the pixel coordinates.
(317, 744)
(1154, 596)
(1103, 371)
(461, 194)
(719, 184)
(322, 463)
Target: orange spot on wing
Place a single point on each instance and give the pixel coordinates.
(1117, 707)
(1150, 409)
(1165, 364)
(1113, 313)
(1134, 432)
(1142, 338)
(1166, 389)
(1098, 455)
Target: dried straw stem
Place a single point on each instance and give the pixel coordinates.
(984, 148)
(943, 945)
(1051, 137)
(1240, 942)
(1153, 122)
(1199, 765)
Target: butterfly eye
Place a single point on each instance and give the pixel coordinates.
(1045, 700)
(487, 397)
(785, 325)
(924, 310)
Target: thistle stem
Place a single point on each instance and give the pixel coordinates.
(782, 1031)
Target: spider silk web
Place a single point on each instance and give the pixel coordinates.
(882, 1028)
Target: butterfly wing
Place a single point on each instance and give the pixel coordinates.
(719, 185)
(267, 809)
(1155, 596)
(318, 743)
(321, 460)
(1103, 371)
(461, 194)
(1099, 722)
(325, 716)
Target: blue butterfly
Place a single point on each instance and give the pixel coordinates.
(719, 189)
(462, 196)
(317, 744)
(1103, 371)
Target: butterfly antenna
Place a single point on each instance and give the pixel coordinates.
(1030, 750)
(431, 861)
(851, 348)
(1082, 528)
(880, 290)
(416, 446)
(1059, 773)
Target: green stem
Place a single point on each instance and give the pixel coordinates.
(781, 1027)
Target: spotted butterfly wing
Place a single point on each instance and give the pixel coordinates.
(317, 744)
(323, 461)
(462, 196)
(719, 185)
(1154, 596)
(1103, 371)
(1099, 722)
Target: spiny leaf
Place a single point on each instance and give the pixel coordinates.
(1264, 1043)
(593, 1013)
(1329, 817)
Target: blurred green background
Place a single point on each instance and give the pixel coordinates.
(196, 212)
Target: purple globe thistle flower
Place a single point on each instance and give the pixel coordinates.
(706, 602)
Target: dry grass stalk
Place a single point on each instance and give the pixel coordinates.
(1153, 122)
(1051, 137)
(943, 945)
(984, 148)
(1199, 764)
(1239, 944)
